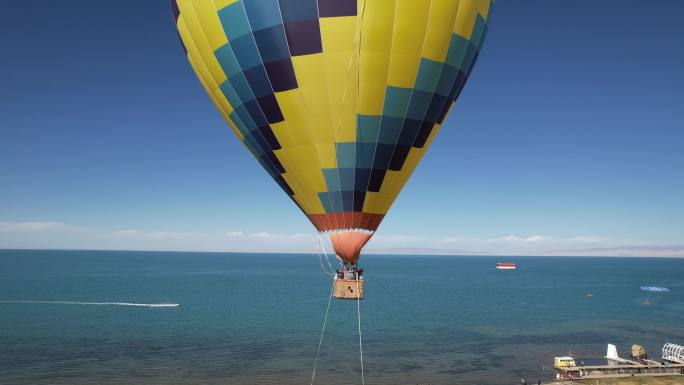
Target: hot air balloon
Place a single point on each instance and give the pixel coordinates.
(338, 100)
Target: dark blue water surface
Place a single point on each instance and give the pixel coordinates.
(256, 318)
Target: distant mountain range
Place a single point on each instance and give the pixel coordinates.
(671, 251)
(422, 251)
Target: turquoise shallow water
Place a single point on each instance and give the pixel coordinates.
(256, 318)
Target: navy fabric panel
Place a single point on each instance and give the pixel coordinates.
(445, 111)
(359, 198)
(304, 37)
(281, 182)
(269, 162)
(270, 108)
(254, 146)
(270, 137)
(258, 81)
(271, 156)
(346, 189)
(254, 111)
(455, 91)
(361, 176)
(281, 74)
(409, 130)
(334, 8)
(448, 79)
(458, 84)
(244, 116)
(469, 59)
(175, 11)
(376, 178)
(269, 166)
(260, 141)
(383, 154)
(423, 134)
(263, 161)
(347, 200)
(298, 10)
(436, 107)
(351, 200)
(399, 157)
(272, 43)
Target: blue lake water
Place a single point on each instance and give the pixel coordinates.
(256, 318)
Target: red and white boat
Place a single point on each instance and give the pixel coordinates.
(506, 266)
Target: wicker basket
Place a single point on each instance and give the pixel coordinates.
(348, 289)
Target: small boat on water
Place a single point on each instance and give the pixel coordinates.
(646, 302)
(564, 362)
(506, 266)
(590, 294)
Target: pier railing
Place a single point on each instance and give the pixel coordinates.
(604, 371)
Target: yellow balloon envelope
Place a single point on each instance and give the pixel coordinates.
(337, 99)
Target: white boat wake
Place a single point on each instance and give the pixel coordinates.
(94, 303)
(656, 289)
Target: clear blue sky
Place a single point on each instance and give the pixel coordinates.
(570, 128)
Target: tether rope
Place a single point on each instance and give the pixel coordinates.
(404, 305)
(407, 307)
(358, 311)
(320, 341)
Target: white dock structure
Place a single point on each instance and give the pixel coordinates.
(673, 353)
(672, 365)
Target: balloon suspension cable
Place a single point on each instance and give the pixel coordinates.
(321, 243)
(320, 341)
(320, 250)
(358, 311)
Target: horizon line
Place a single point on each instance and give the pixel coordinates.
(370, 252)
